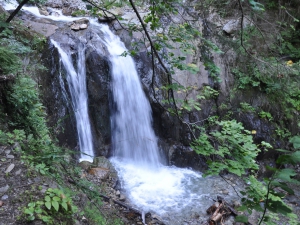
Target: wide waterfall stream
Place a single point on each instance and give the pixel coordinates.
(174, 194)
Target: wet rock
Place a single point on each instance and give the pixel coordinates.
(231, 26)
(4, 197)
(83, 26)
(53, 13)
(122, 198)
(55, 3)
(106, 19)
(101, 173)
(75, 27)
(43, 11)
(80, 24)
(4, 189)
(10, 168)
(102, 162)
(85, 165)
(82, 21)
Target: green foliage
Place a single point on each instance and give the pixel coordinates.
(265, 115)
(41, 168)
(9, 63)
(11, 138)
(78, 13)
(246, 107)
(234, 152)
(27, 111)
(272, 190)
(295, 141)
(256, 5)
(232, 149)
(55, 204)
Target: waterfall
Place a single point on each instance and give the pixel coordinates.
(178, 196)
(77, 87)
(149, 184)
(133, 137)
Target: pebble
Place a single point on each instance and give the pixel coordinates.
(7, 152)
(10, 168)
(225, 192)
(1, 203)
(4, 189)
(18, 172)
(236, 204)
(4, 197)
(10, 157)
(122, 198)
(118, 193)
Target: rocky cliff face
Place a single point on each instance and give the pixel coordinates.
(56, 91)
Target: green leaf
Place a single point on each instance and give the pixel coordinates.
(279, 207)
(29, 211)
(286, 175)
(48, 205)
(31, 204)
(241, 219)
(47, 198)
(31, 218)
(38, 211)
(295, 141)
(64, 205)
(57, 199)
(55, 205)
(242, 208)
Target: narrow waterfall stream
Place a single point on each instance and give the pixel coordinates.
(77, 87)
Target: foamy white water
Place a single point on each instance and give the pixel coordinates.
(13, 4)
(133, 138)
(149, 185)
(77, 86)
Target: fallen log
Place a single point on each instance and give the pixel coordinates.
(219, 211)
(233, 211)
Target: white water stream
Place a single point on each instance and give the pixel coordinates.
(77, 86)
(149, 185)
(172, 193)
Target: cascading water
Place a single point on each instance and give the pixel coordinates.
(133, 137)
(149, 185)
(77, 87)
(176, 195)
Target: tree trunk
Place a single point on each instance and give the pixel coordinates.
(14, 13)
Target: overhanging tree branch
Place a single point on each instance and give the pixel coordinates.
(14, 13)
(170, 91)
